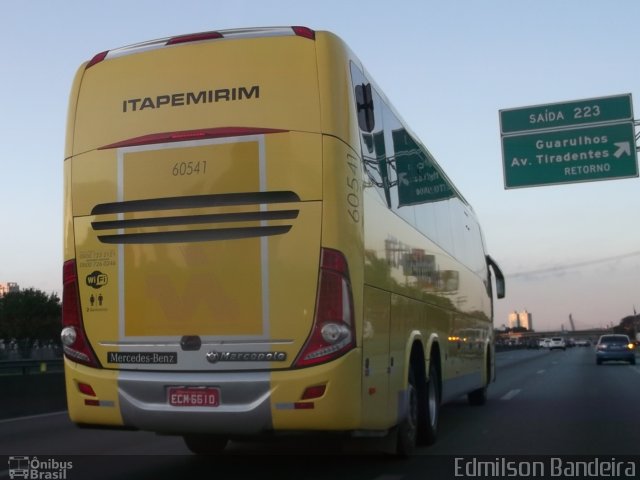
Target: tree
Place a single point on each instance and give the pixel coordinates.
(628, 326)
(30, 314)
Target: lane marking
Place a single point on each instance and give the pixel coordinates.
(30, 417)
(511, 394)
(636, 369)
(540, 372)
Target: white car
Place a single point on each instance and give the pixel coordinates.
(545, 342)
(557, 342)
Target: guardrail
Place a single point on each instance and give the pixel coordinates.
(26, 367)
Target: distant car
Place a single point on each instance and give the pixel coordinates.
(533, 344)
(615, 347)
(557, 343)
(545, 342)
(583, 343)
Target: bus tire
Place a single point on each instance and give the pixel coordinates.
(407, 431)
(479, 397)
(205, 444)
(430, 402)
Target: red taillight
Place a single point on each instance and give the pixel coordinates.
(313, 392)
(185, 135)
(194, 37)
(305, 32)
(86, 389)
(97, 59)
(333, 331)
(74, 339)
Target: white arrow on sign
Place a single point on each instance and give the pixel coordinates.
(623, 147)
(402, 178)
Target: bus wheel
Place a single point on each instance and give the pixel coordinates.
(479, 397)
(408, 429)
(205, 444)
(431, 404)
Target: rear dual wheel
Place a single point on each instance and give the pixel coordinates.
(420, 424)
(428, 425)
(479, 396)
(408, 429)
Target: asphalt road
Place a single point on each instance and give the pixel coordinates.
(543, 403)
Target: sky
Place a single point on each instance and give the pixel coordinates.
(447, 66)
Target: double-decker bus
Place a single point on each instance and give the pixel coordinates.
(255, 243)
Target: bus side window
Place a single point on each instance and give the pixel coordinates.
(364, 101)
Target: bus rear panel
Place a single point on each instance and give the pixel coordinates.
(199, 294)
(239, 257)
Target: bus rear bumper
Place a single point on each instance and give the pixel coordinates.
(244, 408)
(250, 403)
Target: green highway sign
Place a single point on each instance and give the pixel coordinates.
(419, 181)
(614, 108)
(569, 155)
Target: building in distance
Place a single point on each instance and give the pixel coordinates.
(521, 319)
(8, 287)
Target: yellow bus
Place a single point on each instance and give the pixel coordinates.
(255, 243)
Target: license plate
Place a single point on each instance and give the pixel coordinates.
(194, 396)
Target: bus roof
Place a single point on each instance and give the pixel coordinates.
(203, 36)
